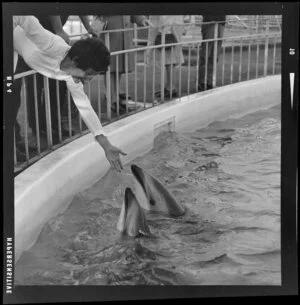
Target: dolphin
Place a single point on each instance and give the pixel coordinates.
(132, 220)
(153, 195)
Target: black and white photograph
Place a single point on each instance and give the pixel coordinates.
(145, 150)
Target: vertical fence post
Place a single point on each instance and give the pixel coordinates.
(153, 75)
(126, 79)
(145, 78)
(162, 70)
(48, 111)
(266, 49)
(37, 125)
(197, 67)
(99, 95)
(24, 90)
(223, 63)
(240, 62)
(189, 70)
(79, 118)
(257, 47)
(274, 55)
(69, 113)
(232, 62)
(117, 84)
(135, 78)
(206, 64)
(58, 110)
(108, 88)
(135, 34)
(180, 71)
(171, 74)
(215, 58)
(249, 57)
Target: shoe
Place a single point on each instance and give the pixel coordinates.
(167, 93)
(201, 87)
(122, 108)
(122, 96)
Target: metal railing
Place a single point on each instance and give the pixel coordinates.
(242, 57)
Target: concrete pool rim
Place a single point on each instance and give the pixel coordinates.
(47, 187)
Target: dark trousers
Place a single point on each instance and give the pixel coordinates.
(208, 33)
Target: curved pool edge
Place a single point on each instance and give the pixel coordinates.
(40, 195)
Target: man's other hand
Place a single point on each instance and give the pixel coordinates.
(64, 36)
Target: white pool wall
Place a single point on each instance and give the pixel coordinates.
(47, 187)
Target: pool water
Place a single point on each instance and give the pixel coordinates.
(227, 175)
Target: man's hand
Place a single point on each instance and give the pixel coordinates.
(64, 36)
(113, 156)
(94, 33)
(112, 153)
(86, 22)
(147, 22)
(58, 28)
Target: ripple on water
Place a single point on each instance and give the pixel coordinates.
(227, 176)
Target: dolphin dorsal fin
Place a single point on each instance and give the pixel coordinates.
(157, 197)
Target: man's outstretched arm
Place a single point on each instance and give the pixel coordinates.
(36, 60)
(91, 119)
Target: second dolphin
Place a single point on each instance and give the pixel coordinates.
(153, 195)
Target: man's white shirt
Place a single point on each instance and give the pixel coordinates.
(43, 51)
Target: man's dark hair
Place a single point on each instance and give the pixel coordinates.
(90, 53)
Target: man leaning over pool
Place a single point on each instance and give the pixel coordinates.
(50, 55)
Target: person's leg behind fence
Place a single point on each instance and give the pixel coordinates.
(206, 58)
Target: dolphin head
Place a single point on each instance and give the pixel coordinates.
(153, 195)
(132, 220)
(138, 173)
(143, 188)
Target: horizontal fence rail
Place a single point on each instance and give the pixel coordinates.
(49, 118)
